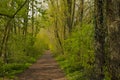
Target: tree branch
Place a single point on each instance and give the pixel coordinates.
(12, 16)
(19, 8)
(6, 15)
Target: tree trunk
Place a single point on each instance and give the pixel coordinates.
(70, 14)
(99, 39)
(5, 40)
(32, 17)
(113, 23)
(81, 12)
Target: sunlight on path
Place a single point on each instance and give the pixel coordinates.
(46, 68)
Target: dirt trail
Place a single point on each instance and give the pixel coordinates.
(46, 68)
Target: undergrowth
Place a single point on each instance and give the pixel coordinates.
(22, 52)
(77, 61)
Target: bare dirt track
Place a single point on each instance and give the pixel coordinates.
(46, 68)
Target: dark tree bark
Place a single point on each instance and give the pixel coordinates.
(69, 5)
(113, 23)
(81, 12)
(99, 39)
(33, 17)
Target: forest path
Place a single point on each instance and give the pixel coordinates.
(46, 68)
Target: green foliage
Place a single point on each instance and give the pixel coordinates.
(19, 46)
(42, 40)
(77, 75)
(21, 54)
(10, 70)
(78, 59)
(8, 6)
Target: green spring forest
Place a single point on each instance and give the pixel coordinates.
(82, 37)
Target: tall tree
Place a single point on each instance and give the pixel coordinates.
(99, 39)
(32, 4)
(113, 23)
(70, 14)
(81, 12)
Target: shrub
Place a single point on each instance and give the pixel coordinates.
(78, 59)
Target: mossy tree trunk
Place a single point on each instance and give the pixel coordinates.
(113, 23)
(99, 39)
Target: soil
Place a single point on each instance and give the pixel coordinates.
(46, 68)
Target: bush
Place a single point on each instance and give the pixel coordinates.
(12, 69)
(78, 59)
(21, 53)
